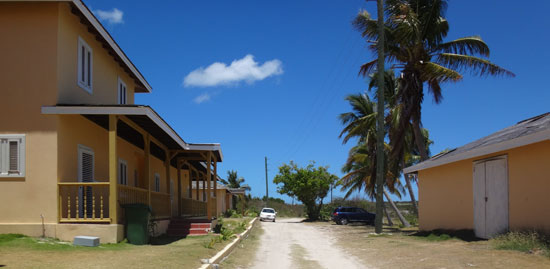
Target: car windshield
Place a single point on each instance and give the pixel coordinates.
(268, 211)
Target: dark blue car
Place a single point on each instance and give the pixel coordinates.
(345, 215)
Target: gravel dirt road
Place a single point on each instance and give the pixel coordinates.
(289, 243)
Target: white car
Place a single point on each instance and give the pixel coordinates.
(268, 214)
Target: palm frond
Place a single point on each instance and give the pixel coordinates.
(435, 89)
(367, 68)
(467, 45)
(434, 71)
(364, 23)
(476, 65)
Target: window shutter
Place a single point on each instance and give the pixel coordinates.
(13, 157)
(87, 167)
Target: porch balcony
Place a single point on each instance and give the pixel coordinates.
(116, 140)
(88, 202)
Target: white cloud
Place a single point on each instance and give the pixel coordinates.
(245, 69)
(202, 98)
(113, 16)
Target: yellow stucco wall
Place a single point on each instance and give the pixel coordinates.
(106, 70)
(446, 192)
(28, 77)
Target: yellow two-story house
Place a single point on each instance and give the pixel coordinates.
(74, 148)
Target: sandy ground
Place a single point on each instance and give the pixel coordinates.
(289, 243)
(398, 250)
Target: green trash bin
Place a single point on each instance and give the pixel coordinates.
(137, 222)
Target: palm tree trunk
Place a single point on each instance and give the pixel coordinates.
(399, 215)
(409, 187)
(419, 140)
(390, 223)
(411, 193)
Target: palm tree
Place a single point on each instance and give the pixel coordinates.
(414, 43)
(410, 152)
(234, 181)
(360, 167)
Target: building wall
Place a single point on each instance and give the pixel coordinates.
(75, 130)
(446, 192)
(28, 75)
(106, 70)
(157, 166)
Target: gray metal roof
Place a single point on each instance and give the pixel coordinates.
(525, 132)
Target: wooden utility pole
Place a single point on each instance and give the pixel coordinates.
(380, 120)
(266, 188)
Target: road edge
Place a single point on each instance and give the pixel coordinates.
(227, 249)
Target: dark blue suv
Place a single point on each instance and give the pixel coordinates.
(345, 215)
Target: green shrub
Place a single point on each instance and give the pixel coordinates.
(226, 234)
(229, 213)
(530, 242)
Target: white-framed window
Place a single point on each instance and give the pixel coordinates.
(85, 65)
(122, 93)
(157, 182)
(85, 164)
(12, 155)
(122, 172)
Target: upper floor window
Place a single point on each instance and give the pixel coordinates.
(85, 65)
(12, 155)
(121, 92)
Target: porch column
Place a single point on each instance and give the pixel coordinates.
(190, 177)
(209, 189)
(113, 192)
(203, 187)
(178, 161)
(146, 169)
(168, 185)
(197, 184)
(215, 177)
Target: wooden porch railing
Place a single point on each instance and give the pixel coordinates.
(160, 203)
(83, 202)
(191, 207)
(131, 195)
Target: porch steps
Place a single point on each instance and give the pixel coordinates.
(188, 227)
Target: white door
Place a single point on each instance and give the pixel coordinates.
(490, 197)
(85, 174)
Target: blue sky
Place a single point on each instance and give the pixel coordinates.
(287, 109)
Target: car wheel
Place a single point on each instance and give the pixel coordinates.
(344, 221)
(273, 220)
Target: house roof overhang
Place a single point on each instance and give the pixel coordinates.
(147, 119)
(95, 26)
(530, 131)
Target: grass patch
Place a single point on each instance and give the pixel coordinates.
(299, 259)
(528, 242)
(21, 251)
(20, 241)
(444, 235)
(243, 255)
